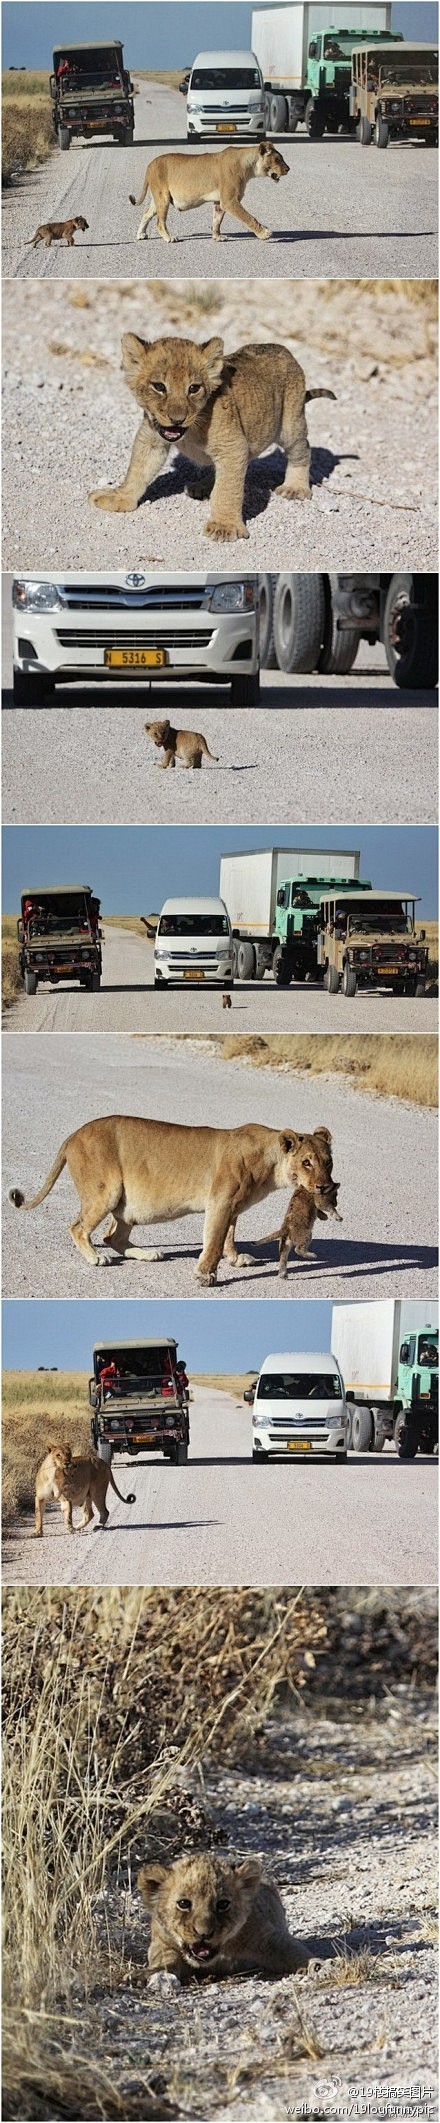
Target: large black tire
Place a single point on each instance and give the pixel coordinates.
(278, 116)
(128, 136)
(63, 138)
(245, 962)
(381, 133)
(340, 644)
(104, 1451)
(245, 692)
(405, 1438)
(299, 621)
(268, 657)
(411, 613)
(30, 982)
(315, 120)
(281, 972)
(349, 982)
(362, 1430)
(331, 980)
(30, 688)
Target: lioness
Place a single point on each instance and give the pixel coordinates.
(53, 231)
(222, 409)
(296, 1230)
(151, 1171)
(73, 1479)
(196, 180)
(217, 1916)
(185, 745)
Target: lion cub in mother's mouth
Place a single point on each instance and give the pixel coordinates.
(296, 1231)
(217, 1916)
(186, 745)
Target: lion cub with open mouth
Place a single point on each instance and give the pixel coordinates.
(217, 1916)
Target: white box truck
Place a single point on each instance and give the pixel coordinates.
(305, 59)
(271, 895)
(388, 1354)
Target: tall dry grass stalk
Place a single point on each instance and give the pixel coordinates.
(392, 1065)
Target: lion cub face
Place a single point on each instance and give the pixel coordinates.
(306, 1160)
(199, 1903)
(159, 733)
(172, 379)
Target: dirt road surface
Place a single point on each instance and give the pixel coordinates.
(384, 1158)
(340, 211)
(129, 1002)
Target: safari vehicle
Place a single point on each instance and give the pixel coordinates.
(138, 1399)
(59, 937)
(394, 93)
(91, 92)
(152, 627)
(368, 939)
(299, 1408)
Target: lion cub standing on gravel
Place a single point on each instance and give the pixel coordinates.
(221, 409)
(186, 745)
(217, 1916)
(74, 1480)
(198, 180)
(54, 231)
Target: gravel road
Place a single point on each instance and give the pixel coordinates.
(70, 423)
(129, 1002)
(358, 1521)
(339, 211)
(380, 1146)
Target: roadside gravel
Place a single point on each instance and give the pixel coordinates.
(389, 1231)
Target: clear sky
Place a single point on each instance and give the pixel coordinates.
(212, 1338)
(134, 868)
(168, 35)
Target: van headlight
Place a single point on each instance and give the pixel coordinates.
(232, 597)
(29, 596)
(262, 1422)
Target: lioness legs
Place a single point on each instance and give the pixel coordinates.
(148, 456)
(118, 1235)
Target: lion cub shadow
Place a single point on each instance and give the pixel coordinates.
(264, 475)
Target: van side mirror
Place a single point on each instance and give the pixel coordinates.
(423, 936)
(250, 1392)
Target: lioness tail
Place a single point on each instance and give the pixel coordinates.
(142, 194)
(130, 1499)
(17, 1197)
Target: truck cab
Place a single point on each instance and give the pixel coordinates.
(297, 922)
(59, 937)
(368, 939)
(417, 1388)
(394, 92)
(91, 92)
(139, 1398)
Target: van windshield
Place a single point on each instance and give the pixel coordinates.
(299, 1386)
(215, 78)
(193, 925)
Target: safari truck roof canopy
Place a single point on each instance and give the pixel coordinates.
(59, 892)
(100, 44)
(143, 1341)
(366, 898)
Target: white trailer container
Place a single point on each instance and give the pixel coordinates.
(249, 884)
(281, 37)
(388, 1355)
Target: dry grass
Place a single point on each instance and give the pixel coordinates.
(39, 1409)
(233, 1382)
(11, 982)
(131, 921)
(392, 1065)
(27, 132)
(159, 73)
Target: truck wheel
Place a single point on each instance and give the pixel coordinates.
(349, 1427)
(281, 972)
(340, 644)
(30, 688)
(410, 631)
(405, 1438)
(63, 138)
(278, 114)
(245, 692)
(381, 132)
(104, 1450)
(315, 121)
(420, 988)
(30, 982)
(362, 1430)
(245, 962)
(299, 621)
(127, 138)
(260, 1455)
(95, 982)
(268, 654)
(349, 982)
(331, 980)
(365, 132)
(181, 1454)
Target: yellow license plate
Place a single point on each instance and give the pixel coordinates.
(420, 121)
(226, 128)
(143, 1437)
(299, 1445)
(191, 974)
(134, 659)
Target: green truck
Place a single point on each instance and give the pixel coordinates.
(388, 1356)
(305, 914)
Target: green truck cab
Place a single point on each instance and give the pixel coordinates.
(139, 1397)
(298, 924)
(59, 937)
(394, 92)
(91, 92)
(329, 76)
(416, 1426)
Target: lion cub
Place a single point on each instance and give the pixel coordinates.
(74, 1480)
(217, 1916)
(221, 409)
(296, 1231)
(219, 179)
(53, 231)
(186, 745)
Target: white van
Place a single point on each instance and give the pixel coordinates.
(299, 1407)
(225, 96)
(148, 628)
(193, 943)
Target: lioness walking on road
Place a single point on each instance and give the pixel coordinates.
(73, 1479)
(197, 180)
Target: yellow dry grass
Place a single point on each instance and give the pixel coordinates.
(130, 921)
(233, 1382)
(391, 1064)
(158, 73)
(27, 130)
(39, 1409)
(11, 983)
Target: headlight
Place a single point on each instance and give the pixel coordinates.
(161, 951)
(35, 596)
(263, 1422)
(232, 597)
(223, 951)
(334, 1421)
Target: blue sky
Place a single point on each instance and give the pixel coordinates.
(133, 869)
(212, 1338)
(169, 35)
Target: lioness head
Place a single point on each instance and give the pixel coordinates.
(200, 1902)
(270, 162)
(159, 732)
(305, 1159)
(61, 1456)
(172, 379)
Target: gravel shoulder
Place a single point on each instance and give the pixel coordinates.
(338, 212)
(357, 1522)
(67, 406)
(379, 1145)
(129, 1002)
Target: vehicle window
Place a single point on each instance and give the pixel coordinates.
(299, 1385)
(193, 925)
(216, 78)
(428, 1352)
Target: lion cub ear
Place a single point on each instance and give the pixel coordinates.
(150, 1880)
(133, 353)
(215, 356)
(249, 1872)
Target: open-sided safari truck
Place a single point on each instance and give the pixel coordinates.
(368, 939)
(59, 937)
(91, 92)
(394, 93)
(139, 1399)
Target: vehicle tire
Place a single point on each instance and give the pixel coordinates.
(128, 137)
(30, 688)
(293, 120)
(260, 1455)
(282, 975)
(362, 1430)
(299, 621)
(410, 631)
(245, 962)
(332, 125)
(268, 654)
(405, 1438)
(349, 1427)
(181, 1454)
(340, 644)
(365, 132)
(95, 982)
(104, 1450)
(30, 982)
(63, 138)
(381, 133)
(278, 116)
(160, 983)
(315, 121)
(245, 692)
(332, 981)
(349, 982)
